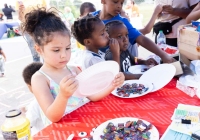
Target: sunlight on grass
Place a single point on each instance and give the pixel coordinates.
(146, 10)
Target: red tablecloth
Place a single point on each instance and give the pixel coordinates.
(156, 107)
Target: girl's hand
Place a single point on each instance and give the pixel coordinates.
(114, 46)
(68, 86)
(119, 80)
(151, 61)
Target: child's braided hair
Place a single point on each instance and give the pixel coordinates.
(111, 24)
(83, 27)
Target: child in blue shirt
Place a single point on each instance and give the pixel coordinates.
(111, 11)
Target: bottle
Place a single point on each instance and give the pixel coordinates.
(16, 126)
(161, 39)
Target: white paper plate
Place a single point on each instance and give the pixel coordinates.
(189, 80)
(99, 130)
(146, 84)
(137, 69)
(96, 78)
(159, 75)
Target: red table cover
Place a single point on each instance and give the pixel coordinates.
(156, 107)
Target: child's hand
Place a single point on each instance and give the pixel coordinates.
(68, 86)
(114, 46)
(21, 7)
(151, 61)
(119, 80)
(168, 59)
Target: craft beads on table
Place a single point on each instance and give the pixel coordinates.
(136, 130)
(128, 89)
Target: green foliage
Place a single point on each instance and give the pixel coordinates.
(77, 3)
(75, 10)
(61, 4)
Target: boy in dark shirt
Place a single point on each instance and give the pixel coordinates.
(117, 30)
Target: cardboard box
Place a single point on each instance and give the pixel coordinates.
(187, 43)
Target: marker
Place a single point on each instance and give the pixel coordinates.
(195, 136)
(185, 121)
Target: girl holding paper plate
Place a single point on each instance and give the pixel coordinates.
(54, 84)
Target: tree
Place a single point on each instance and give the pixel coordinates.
(77, 3)
(74, 9)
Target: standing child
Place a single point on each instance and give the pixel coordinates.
(111, 11)
(2, 62)
(54, 84)
(85, 8)
(117, 29)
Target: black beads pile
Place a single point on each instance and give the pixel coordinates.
(131, 130)
(127, 89)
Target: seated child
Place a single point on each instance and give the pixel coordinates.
(54, 84)
(2, 62)
(95, 39)
(33, 109)
(117, 29)
(85, 8)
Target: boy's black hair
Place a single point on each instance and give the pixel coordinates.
(29, 70)
(40, 24)
(86, 5)
(111, 24)
(83, 27)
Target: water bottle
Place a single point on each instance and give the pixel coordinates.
(161, 39)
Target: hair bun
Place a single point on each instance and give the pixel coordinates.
(33, 18)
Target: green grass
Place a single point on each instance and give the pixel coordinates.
(146, 10)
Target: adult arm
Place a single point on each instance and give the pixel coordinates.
(197, 7)
(181, 12)
(13, 10)
(194, 15)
